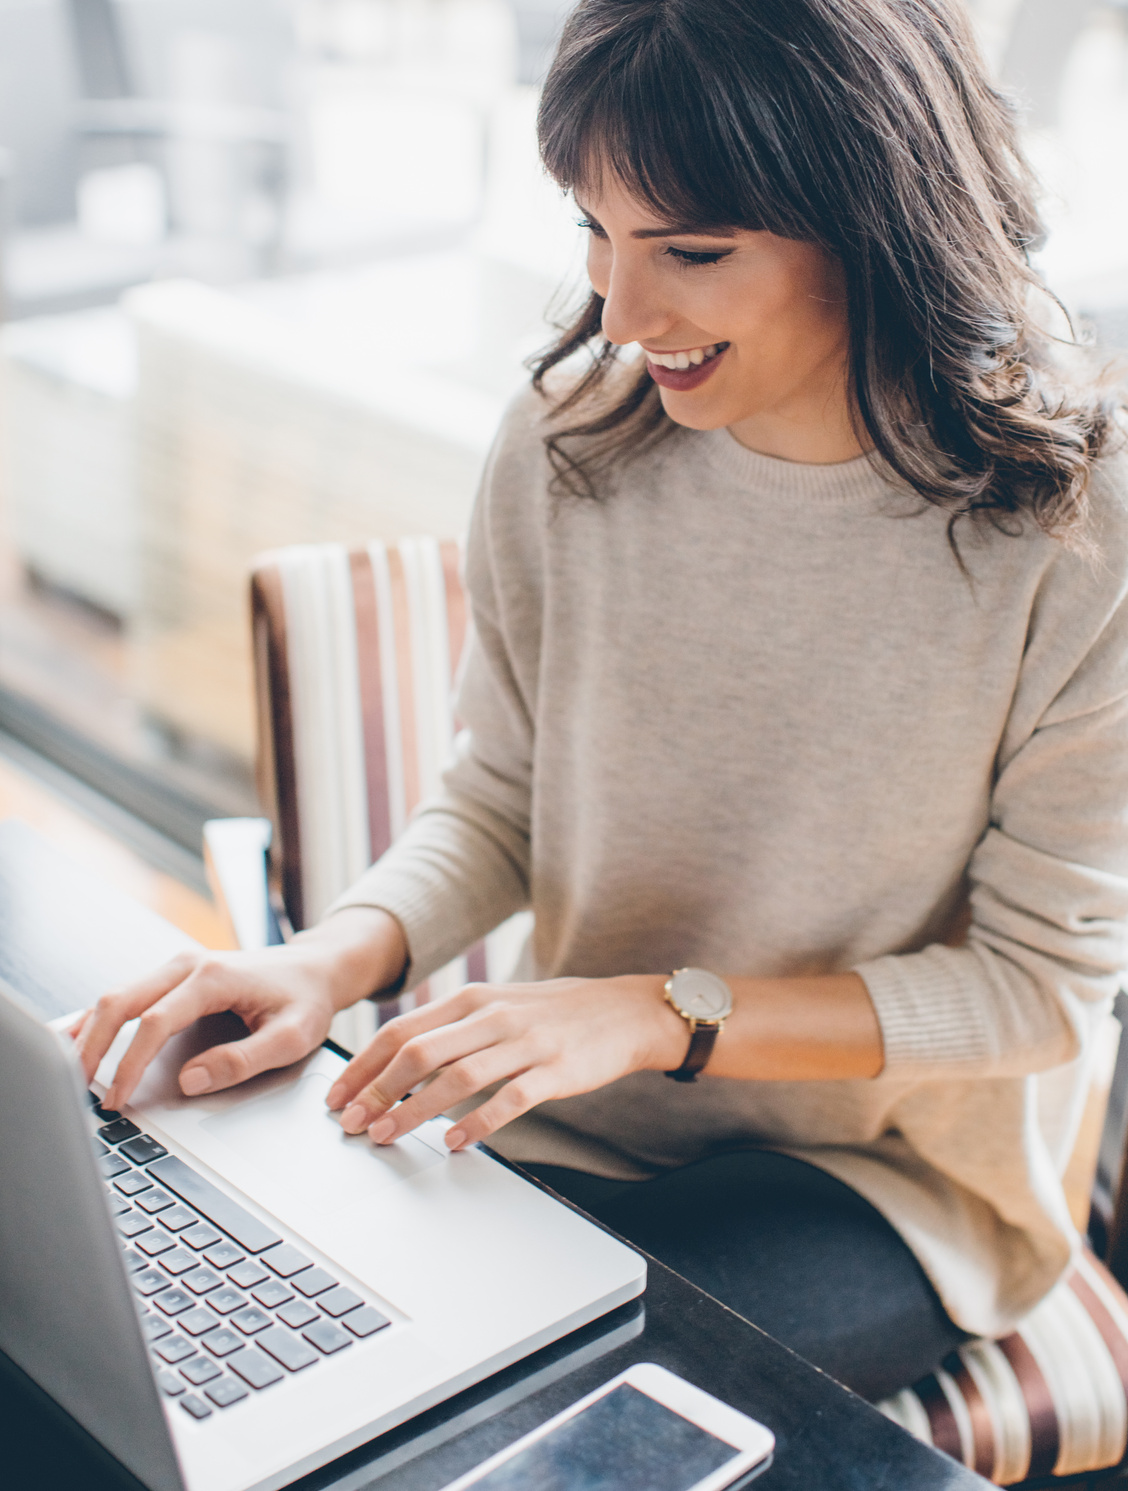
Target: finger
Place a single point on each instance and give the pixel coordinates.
(525, 1091)
(368, 1064)
(456, 1084)
(118, 1007)
(197, 995)
(419, 1058)
(278, 1042)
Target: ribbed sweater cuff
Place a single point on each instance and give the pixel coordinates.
(436, 931)
(930, 1009)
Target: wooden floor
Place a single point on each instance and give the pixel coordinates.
(21, 796)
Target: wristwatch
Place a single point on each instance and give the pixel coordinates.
(704, 1002)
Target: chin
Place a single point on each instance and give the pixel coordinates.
(697, 411)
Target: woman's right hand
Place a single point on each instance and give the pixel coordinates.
(286, 996)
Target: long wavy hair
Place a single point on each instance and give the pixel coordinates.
(867, 127)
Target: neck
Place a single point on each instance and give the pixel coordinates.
(813, 425)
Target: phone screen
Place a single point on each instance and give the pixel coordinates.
(624, 1441)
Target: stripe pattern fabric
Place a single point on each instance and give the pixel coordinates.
(1049, 1399)
(355, 657)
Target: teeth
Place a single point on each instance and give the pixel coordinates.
(682, 360)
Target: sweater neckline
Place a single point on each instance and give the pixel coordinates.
(855, 480)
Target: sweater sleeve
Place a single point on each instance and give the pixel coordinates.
(461, 867)
(1048, 881)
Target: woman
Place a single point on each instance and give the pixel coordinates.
(801, 659)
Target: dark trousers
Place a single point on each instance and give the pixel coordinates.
(790, 1248)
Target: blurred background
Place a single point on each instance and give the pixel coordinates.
(268, 273)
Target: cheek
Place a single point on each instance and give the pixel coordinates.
(599, 266)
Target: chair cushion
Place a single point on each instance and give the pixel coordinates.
(1049, 1399)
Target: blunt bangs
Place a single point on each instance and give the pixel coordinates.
(659, 106)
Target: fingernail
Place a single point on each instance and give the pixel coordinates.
(382, 1130)
(455, 1138)
(353, 1119)
(194, 1082)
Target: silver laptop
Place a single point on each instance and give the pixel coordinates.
(228, 1292)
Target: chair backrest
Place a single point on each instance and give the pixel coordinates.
(355, 655)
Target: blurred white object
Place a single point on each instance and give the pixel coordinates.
(123, 204)
(69, 479)
(347, 406)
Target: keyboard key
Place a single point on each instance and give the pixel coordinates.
(172, 1301)
(326, 1336)
(134, 1261)
(152, 1243)
(178, 1218)
(113, 1164)
(248, 1274)
(222, 1342)
(226, 1299)
(200, 1236)
(169, 1383)
(153, 1327)
(114, 1133)
(174, 1349)
(298, 1314)
(197, 1321)
(200, 1280)
(155, 1200)
(199, 1370)
(272, 1294)
(313, 1281)
(143, 1149)
(196, 1406)
(134, 1181)
(131, 1223)
(149, 1281)
(118, 1204)
(339, 1301)
(365, 1322)
(179, 1261)
(251, 1320)
(225, 1392)
(99, 1148)
(254, 1368)
(107, 1115)
(286, 1260)
(291, 1351)
(252, 1235)
(224, 1255)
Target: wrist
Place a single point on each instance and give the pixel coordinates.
(669, 1032)
(360, 949)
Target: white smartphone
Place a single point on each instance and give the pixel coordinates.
(645, 1430)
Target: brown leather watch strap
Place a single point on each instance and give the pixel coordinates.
(701, 1044)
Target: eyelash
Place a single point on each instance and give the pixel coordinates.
(685, 257)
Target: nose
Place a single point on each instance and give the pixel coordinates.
(633, 309)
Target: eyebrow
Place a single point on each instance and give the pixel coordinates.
(673, 230)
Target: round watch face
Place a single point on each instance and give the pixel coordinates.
(701, 995)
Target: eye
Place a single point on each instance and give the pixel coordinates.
(688, 256)
(593, 228)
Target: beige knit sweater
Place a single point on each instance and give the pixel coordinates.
(750, 715)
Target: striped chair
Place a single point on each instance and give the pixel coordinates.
(1049, 1400)
(355, 651)
(355, 654)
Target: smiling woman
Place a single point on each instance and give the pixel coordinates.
(791, 672)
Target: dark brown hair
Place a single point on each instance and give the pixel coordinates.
(869, 128)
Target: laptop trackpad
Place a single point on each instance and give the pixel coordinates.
(291, 1136)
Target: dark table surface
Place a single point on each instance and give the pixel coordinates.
(64, 937)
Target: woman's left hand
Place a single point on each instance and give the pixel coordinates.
(546, 1040)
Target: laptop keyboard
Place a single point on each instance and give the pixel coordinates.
(228, 1306)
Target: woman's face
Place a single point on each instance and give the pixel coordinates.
(756, 325)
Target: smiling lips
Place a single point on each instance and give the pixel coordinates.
(687, 369)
